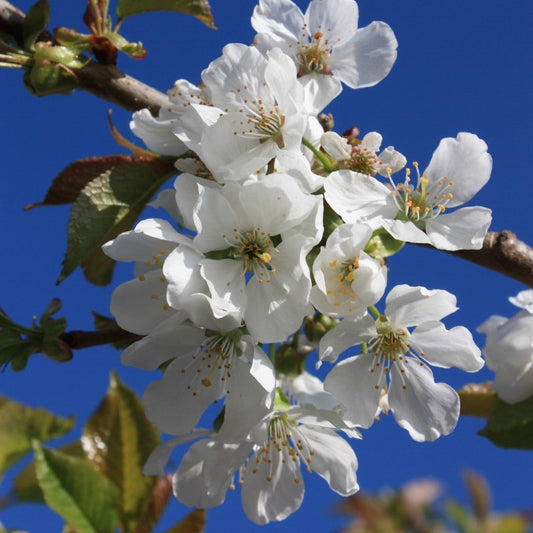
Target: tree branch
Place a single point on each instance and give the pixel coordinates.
(86, 339)
(501, 252)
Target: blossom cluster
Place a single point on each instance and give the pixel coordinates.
(276, 235)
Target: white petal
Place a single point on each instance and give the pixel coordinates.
(146, 239)
(334, 460)
(264, 501)
(405, 230)
(523, 300)
(424, 408)
(348, 333)
(146, 293)
(335, 20)
(280, 18)
(464, 229)
(446, 348)
(168, 340)
(465, 161)
(319, 91)
(358, 197)
(410, 306)
(356, 387)
(367, 57)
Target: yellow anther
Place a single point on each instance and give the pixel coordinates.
(265, 257)
(142, 278)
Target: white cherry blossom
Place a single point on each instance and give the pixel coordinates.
(347, 279)
(509, 350)
(415, 213)
(395, 358)
(255, 238)
(326, 41)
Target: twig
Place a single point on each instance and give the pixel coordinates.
(85, 339)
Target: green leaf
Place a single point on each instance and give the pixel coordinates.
(511, 426)
(118, 438)
(83, 497)
(193, 523)
(197, 8)
(26, 488)
(20, 424)
(107, 206)
(35, 22)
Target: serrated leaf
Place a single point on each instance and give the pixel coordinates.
(26, 488)
(35, 22)
(193, 523)
(71, 180)
(107, 206)
(511, 426)
(20, 424)
(73, 489)
(118, 438)
(197, 8)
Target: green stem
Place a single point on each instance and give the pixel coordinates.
(322, 157)
(373, 310)
(272, 352)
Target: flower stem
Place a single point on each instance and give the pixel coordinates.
(323, 158)
(272, 352)
(373, 310)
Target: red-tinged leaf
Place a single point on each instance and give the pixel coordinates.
(71, 180)
(71, 38)
(95, 16)
(107, 206)
(161, 494)
(197, 8)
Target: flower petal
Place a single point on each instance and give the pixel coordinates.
(424, 408)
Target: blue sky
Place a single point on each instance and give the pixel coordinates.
(463, 65)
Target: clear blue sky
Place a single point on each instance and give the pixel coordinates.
(463, 65)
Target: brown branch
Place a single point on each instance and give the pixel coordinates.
(86, 339)
(104, 81)
(504, 253)
(501, 252)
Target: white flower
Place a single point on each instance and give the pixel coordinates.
(271, 480)
(156, 132)
(208, 365)
(458, 169)
(255, 238)
(260, 107)
(140, 305)
(524, 300)
(509, 350)
(395, 355)
(347, 279)
(326, 41)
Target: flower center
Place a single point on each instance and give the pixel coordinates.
(390, 345)
(313, 56)
(288, 442)
(211, 363)
(362, 160)
(255, 249)
(259, 119)
(342, 281)
(424, 201)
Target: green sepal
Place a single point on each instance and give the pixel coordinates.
(35, 23)
(43, 80)
(382, 245)
(134, 50)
